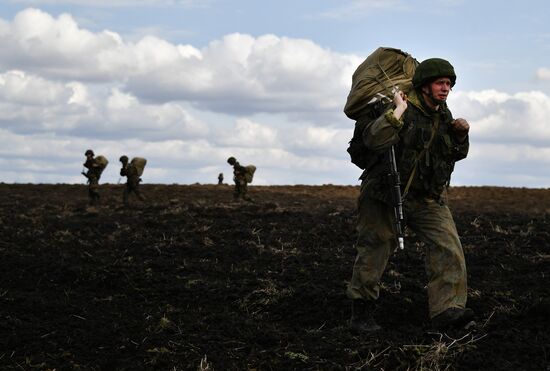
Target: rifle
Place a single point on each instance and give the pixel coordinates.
(395, 183)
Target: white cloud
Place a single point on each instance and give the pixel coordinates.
(19, 88)
(29, 103)
(236, 74)
(519, 165)
(498, 117)
(247, 133)
(54, 46)
(242, 74)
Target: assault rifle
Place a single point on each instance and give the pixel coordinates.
(395, 184)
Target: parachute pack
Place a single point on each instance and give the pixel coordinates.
(139, 163)
(249, 175)
(102, 162)
(373, 85)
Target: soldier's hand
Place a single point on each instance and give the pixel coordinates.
(400, 102)
(460, 129)
(400, 99)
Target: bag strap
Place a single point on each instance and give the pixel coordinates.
(435, 127)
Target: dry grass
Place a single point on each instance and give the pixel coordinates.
(442, 353)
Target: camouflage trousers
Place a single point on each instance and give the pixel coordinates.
(241, 189)
(93, 190)
(132, 186)
(433, 224)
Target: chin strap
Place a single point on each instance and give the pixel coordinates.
(435, 102)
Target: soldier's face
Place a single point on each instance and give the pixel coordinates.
(441, 88)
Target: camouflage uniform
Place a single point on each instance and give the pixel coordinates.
(93, 174)
(425, 208)
(241, 184)
(132, 184)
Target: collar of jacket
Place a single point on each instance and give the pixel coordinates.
(416, 99)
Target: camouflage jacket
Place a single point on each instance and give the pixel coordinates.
(94, 170)
(412, 137)
(239, 172)
(130, 172)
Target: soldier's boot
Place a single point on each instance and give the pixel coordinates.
(362, 317)
(453, 318)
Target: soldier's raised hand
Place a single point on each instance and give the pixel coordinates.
(460, 129)
(400, 102)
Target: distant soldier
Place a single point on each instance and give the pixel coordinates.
(132, 171)
(220, 178)
(95, 168)
(242, 175)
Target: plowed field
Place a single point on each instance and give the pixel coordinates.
(193, 277)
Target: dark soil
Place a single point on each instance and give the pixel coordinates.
(192, 275)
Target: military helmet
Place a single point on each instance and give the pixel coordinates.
(123, 158)
(431, 69)
(231, 160)
(89, 152)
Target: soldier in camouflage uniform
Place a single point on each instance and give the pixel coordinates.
(132, 184)
(428, 142)
(93, 174)
(239, 177)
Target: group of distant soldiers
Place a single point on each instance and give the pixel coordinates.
(242, 175)
(131, 170)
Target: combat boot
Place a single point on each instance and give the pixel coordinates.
(453, 318)
(362, 317)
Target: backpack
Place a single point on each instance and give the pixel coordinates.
(249, 175)
(139, 163)
(373, 85)
(360, 155)
(102, 162)
(376, 78)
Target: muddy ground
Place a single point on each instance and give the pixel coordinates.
(192, 275)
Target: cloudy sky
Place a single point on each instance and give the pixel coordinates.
(188, 83)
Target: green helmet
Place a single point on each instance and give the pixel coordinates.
(231, 160)
(123, 159)
(431, 69)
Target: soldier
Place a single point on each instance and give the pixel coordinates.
(240, 179)
(428, 142)
(93, 174)
(220, 178)
(130, 171)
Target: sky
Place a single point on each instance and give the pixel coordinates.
(188, 83)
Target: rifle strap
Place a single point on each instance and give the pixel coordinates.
(435, 127)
